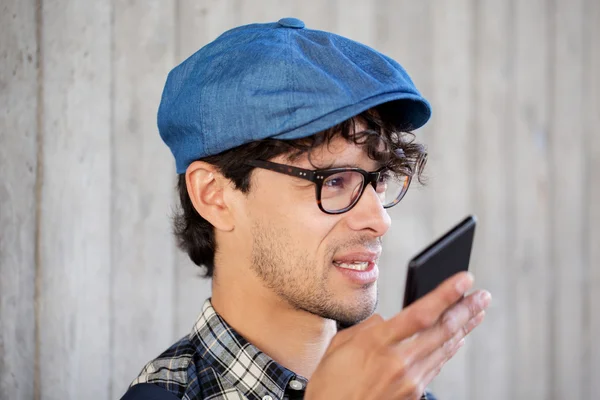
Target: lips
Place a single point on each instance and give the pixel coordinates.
(358, 267)
(357, 257)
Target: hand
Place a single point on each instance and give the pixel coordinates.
(398, 358)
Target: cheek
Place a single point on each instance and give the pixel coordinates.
(293, 212)
(309, 230)
(299, 219)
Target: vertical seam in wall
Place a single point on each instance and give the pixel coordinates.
(587, 132)
(433, 120)
(174, 254)
(510, 204)
(38, 198)
(550, 76)
(111, 274)
(428, 220)
(238, 15)
(176, 31)
(474, 56)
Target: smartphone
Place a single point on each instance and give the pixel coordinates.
(443, 258)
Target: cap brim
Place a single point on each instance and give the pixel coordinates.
(407, 112)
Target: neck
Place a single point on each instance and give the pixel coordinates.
(295, 339)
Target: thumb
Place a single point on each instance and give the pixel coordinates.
(345, 335)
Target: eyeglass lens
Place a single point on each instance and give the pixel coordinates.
(341, 190)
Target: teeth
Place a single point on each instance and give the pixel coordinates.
(357, 266)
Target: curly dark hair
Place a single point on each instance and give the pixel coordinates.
(386, 142)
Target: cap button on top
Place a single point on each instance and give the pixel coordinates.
(291, 23)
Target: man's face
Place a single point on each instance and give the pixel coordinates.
(320, 263)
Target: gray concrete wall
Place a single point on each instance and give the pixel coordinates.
(92, 286)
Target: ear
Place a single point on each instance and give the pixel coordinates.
(206, 186)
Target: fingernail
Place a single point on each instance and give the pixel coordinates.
(464, 283)
(485, 298)
(461, 343)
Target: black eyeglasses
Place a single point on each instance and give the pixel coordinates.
(339, 189)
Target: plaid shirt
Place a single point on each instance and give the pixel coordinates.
(215, 362)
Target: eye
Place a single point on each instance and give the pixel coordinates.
(385, 176)
(343, 181)
(334, 182)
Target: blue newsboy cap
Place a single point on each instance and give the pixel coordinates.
(277, 80)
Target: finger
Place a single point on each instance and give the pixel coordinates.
(425, 312)
(431, 366)
(345, 335)
(452, 325)
(431, 373)
(425, 370)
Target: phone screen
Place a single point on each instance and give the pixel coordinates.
(444, 258)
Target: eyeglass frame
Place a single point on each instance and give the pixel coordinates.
(318, 176)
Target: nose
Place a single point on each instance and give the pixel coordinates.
(369, 214)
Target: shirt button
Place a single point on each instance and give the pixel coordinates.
(296, 385)
(267, 397)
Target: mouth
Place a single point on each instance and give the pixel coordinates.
(356, 266)
(360, 268)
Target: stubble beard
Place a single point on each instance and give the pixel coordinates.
(296, 278)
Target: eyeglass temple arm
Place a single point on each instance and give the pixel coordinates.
(284, 169)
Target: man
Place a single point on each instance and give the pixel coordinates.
(291, 144)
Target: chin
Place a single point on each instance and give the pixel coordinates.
(358, 310)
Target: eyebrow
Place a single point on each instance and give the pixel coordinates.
(342, 165)
(349, 165)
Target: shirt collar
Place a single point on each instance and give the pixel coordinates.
(247, 368)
